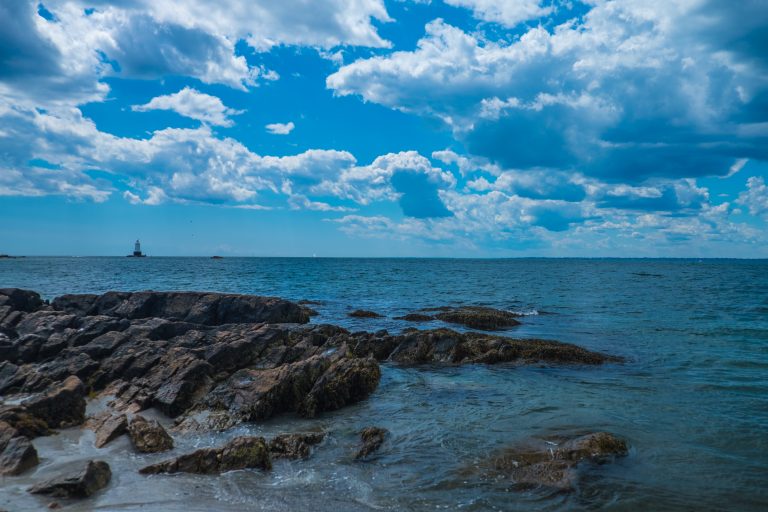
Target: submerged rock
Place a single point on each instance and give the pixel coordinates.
(17, 456)
(363, 313)
(294, 446)
(373, 438)
(80, 482)
(148, 436)
(478, 317)
(555, 464)
(240, 453)
(415, 317)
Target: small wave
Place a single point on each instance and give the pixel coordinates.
(530, 312)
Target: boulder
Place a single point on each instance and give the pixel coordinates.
(108, 427)
(20, 300)
(294, 446)
(239, 453)
(372, 438)
(60, 407)
(148, 436)
(363, 313)
(80, 481)
(18, 456)
(477, 317)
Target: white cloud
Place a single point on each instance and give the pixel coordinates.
(755, 197)
(506, 12)
(192, 103)
(280, 128)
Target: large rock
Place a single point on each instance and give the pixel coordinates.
(372, 438)
(240, 453)
(108, 427)
(478, 317)
(148, 436)
(20, 300)
(62, 406)
(18, 456)
(193, 307)
(78, 482)
(555, 463)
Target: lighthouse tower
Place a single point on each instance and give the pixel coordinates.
(137, 250)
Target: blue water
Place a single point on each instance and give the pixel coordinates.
(692, 398)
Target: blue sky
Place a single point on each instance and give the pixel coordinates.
(478, 128)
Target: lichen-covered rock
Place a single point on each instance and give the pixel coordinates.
(60, 407)
(148, 436)
(372, 438)
(294, 446)
(79, 482)
(17, 456)
(555, 463)
(363, 313)
(477, 317)
(240, 453)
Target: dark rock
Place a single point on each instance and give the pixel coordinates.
(373, 438)
(18, 456)
(62, 406)
(555, 463)
(20, 300)
(108, 427)
(148, 436)
(294, 446)
(310, 311)
(240, 453)
(415, 317)
(476, 317)
(347, 381)
(22, 422)
(81, 482)
(193, 307)
(362, 313)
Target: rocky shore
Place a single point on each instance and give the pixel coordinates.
(212, 361)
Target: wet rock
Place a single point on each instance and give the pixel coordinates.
(555, 463)
(347, 381)
(79, 482)
(294, 446)
(240, 453)
(193, 307)
(372, 438)
(362, 313)
(20, 300)
(62, 406)
(21, 422)
(108, 427)
(148, 436)
(477, 317)
(18, 456)
(415, 317)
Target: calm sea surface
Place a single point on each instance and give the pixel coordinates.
(692, 398)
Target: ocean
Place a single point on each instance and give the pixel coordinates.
(691, 398)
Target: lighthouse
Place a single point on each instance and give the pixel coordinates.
(136, 251)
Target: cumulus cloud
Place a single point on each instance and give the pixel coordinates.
(280, 128)
(192, 103)
(504, 12)
(630, 91)
(755, 197)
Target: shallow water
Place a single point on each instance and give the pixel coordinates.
(692, 398)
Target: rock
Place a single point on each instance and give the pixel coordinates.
(240, 453)
(18, 456)
(20, 300)
(148, 436)
(193, 307)
(415, 317)
(555, 463)
(61, 407)
(346, 381)
(373, 438)
(80, 482)
(108, 427)
(477, 317)
(21, 423)
(294, 446)
(362, 313)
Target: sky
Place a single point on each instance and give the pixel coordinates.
(447, 128)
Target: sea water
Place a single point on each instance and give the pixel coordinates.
(691, 398)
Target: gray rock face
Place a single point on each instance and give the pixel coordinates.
(240, 453)
(17, 456)
(80, 482)
(148, 436)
